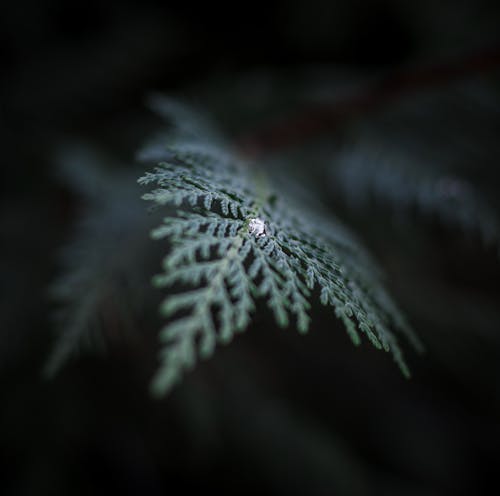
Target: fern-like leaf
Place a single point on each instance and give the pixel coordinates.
(101, 290)
(421, 153)
(235, 239)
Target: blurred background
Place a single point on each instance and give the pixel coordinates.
(387, 111)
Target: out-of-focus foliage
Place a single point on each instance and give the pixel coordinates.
(103, 288)
(432, 153)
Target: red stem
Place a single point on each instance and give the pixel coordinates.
(320, 118)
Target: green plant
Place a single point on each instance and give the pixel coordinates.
(237, 232)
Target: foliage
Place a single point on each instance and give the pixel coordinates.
(236, 235)
(104, 283)
(236, 238)
(415, 156)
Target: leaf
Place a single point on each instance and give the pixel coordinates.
(103, 283)
(421, 154)
(219, 266)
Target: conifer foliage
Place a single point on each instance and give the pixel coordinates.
(234, 237)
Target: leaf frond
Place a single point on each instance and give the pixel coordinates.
(237, 238)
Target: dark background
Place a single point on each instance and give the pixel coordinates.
(274, 412)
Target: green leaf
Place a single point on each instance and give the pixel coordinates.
(219, 266)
